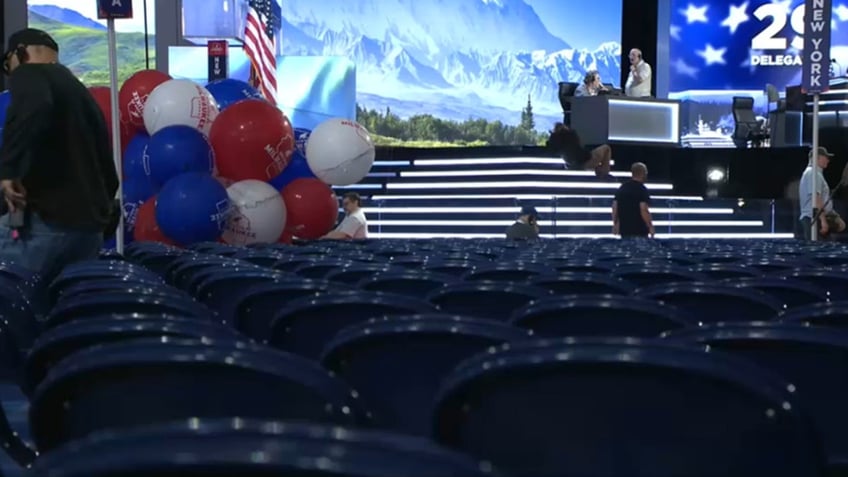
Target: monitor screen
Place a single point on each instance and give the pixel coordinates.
(82, 37)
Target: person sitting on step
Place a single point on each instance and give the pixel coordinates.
(565, 142)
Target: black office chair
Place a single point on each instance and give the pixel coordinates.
(566, 92)
(747, 127)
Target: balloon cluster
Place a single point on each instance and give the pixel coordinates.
(221, 163)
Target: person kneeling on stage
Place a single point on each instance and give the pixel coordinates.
(566, 142)
(56, 169)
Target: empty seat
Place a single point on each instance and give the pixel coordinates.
(409, 283)
(710, 303)
(250, 448)
(146, 381)
(307, 324)
(113, 302)
(832, 314)
(599, 315)
(506, 272)
(655, 275)
(496, 301)
(624, 408)
(254, 308)
(790, 291)
(573, 283)
(396, 364)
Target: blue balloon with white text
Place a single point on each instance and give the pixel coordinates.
(297, 169)
(230, 91)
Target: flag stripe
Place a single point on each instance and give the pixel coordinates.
(260, 48)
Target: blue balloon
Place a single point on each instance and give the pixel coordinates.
(5, 99)
(301, 137)
(176, 150)
(297, 169)
(136, 186)
(229, 91)
(192, 207)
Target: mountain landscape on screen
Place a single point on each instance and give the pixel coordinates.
(83, 44)
(454, 59)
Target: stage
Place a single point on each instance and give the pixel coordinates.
(476, 192)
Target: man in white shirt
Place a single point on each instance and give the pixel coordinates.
(639, 81)
(354, 225)
(829, 220)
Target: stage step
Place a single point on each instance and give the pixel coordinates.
(479, 197)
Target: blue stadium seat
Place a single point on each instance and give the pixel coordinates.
(712, 302)
(815, 360)
(451, 267)
(408, 282)
(396, 364)
(791, 292)
(199, 275)
(360, 271)
(147, 381)
(834, 282)
(247, 448)
(624, 407)
(832, 314)
(507, 272)
(122, 284)
(654, 275)
(254, 308)
(721, 271)
(580, 266)
(319, 269)
(89, 306)
(307, 324)
(495, 301)
(262, 258)
(180, 271)
(57, 343)
(599, 315)
(573, 283)
(219, 287)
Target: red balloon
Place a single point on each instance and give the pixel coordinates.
(146, 228)
(103, 96)
(252, 139)
(134, 93)
(311, 208)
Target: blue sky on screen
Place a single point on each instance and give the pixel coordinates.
(567, 19)
(88, 8)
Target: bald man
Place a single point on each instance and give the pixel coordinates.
(631, 217)
(639, 80)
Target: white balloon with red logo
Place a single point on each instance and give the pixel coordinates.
(340, 152)
(258, 213)
(180, 102)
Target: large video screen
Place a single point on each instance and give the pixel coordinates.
(459, 72)
(724, 48)
(83, 41)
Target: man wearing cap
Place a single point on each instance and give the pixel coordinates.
(57, 174)
(829, 221)
(526, 227)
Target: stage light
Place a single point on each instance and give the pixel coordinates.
(541, 210)
(379, 197)
(715, 175)
(424, 235)
(560, 223)
(515, 185)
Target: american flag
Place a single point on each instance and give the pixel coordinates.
(263, 22)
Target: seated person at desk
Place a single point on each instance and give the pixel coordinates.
(591, 86)
(566, 143)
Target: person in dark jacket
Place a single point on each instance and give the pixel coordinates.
(526, 227)
(57, 172)
(565, 142)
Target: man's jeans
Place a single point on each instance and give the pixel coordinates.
(47, 249)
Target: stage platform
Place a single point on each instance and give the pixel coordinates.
(477, 192)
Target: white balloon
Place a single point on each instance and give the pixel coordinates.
(258, 213)
(340, 152)
(180, 102)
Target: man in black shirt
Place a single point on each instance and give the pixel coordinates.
(630, 214)
(56, 168)
(566, 142)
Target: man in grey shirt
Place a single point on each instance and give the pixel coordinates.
(526, 227)
(829, 221)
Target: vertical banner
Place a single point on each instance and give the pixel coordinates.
(815, 76)
(219, 67)
(114, 9)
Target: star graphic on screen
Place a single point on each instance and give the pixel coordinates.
(681, 68)
(712, 55)
(695, 14)
(786, 4)
(841, 12)
(736, 17)
(674, 32)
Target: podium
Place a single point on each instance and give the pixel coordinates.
(618, 119)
